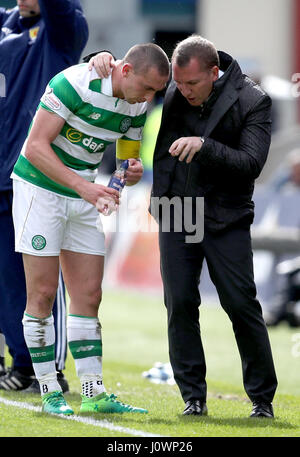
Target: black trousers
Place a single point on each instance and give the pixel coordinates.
(230, 263)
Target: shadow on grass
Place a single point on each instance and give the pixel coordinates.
(131, 421)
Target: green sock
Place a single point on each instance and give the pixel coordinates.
(85, 343)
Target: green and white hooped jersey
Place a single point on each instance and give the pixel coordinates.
(93, 120)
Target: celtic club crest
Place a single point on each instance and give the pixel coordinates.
(38, 242)
(125, 124)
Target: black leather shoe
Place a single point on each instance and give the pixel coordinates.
(195, 407)
(262, 409)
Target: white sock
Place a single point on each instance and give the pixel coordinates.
(39, 335)
(85, 343)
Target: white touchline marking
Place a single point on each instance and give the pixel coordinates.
(84, 420)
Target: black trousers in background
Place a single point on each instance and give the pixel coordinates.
(230, 263)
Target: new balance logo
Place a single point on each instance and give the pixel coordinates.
(95, 116)
(85, 348)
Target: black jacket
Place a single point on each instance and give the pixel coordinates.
(237, 139)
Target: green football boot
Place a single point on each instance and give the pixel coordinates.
(104, 403)
(54, 403)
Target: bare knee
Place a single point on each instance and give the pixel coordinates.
(94, 297)
(87, 303)
(41, 283)
(40, 300)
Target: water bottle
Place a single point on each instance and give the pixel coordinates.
(117, 181)
(160, 373)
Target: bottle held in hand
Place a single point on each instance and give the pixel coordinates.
(117, 181)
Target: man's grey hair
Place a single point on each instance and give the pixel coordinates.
(195, 46)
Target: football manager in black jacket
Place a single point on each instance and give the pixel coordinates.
(213, 143)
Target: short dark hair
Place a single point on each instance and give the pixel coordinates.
(200, 48)
(144, 56)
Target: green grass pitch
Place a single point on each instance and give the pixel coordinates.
(134, 332)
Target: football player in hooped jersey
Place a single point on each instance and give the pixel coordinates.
(55, 209)
(38, 39)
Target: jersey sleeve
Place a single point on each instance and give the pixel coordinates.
(4, 14)
(136, 129)
(128, 147)
(60, 97)
(65, 23)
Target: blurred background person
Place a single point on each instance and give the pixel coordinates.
(285, 303)
(38, 39)
(288, 174)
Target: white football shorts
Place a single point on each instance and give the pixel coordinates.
(46, 222)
